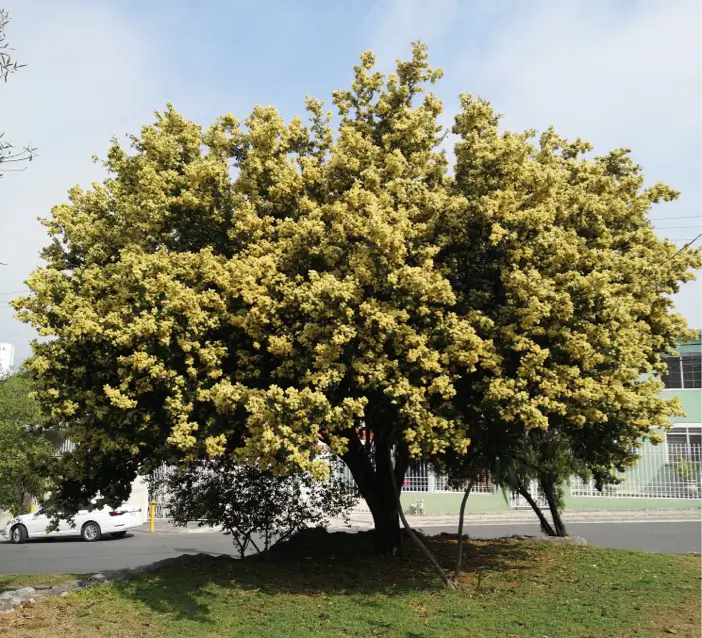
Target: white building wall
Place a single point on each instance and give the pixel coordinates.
(140, 497)
(7, 358)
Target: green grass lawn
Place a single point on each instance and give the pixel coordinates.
(334, 586)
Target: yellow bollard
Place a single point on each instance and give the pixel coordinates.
(152, 517)
(31, 508)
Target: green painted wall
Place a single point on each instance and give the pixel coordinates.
(450, 503)
(691, 401)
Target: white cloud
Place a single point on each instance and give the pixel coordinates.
(90, 74)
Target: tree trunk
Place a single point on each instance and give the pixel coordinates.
(377, 490)
(387, 538)
(389, 479)
(25, 501)
(550, 491)
(545, 525)
(459, 554)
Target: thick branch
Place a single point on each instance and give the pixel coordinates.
(545, 525)
(459, 555)
(424, 549)
(550, 492)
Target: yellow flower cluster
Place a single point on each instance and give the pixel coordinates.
(341, 278)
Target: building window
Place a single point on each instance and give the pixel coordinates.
(684, 371)
(684, 442)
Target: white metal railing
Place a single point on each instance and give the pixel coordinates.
(342, 471)
(158, 491)
(668, 470)
(518, 502)
(64, 447)
(421, 478)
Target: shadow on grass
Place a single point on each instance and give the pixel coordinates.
(313, 563)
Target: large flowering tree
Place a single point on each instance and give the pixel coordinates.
(260, 287)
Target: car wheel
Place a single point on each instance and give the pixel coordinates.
(121, 534)
(91, 532)
(18, 534)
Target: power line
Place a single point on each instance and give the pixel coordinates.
(13, 292)
(692, 241)
(674, 227)
(665, 219)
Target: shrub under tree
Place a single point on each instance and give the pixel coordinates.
(255, 506)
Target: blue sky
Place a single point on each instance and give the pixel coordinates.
(615, 72)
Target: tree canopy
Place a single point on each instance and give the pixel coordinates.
(259, 287)
(555, 250)
(24, 448)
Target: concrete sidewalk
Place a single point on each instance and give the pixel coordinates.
(363, 521)
(360, 521)
(166, 527)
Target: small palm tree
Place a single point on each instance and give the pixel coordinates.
(500, 451)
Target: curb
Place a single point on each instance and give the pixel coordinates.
(365, 522)
(592, 517)
(179, 530)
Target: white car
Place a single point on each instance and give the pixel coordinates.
(90, 525)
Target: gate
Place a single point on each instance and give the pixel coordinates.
(159, 493)
(518, 502)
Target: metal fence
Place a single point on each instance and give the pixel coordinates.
(518, 502)
(158, 491)
(421, 478)
(668, 470)
(64, 447)
(338, 467)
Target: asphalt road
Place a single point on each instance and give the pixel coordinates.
(648, 536)
(141, 548)
(75, 556)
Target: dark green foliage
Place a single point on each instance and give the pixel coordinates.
(257, 507)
